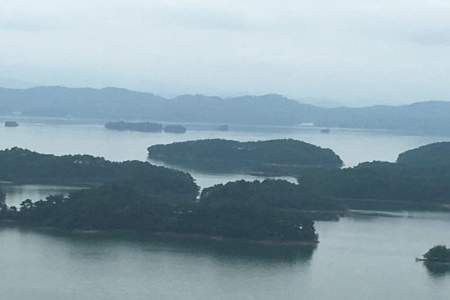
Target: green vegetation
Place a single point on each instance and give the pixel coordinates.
(275, 157)
(438, 254)
(380, 184)
(432, 155)
(418, 180)
(24, 166)
(261, 211)
(139, 196)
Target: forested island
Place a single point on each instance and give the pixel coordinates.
(24, 166)
(145, 127)
(220, 212)
(438, 254)
(419, 179)
(134, 126)
(274, 157)
(140, 196)
(437, 260)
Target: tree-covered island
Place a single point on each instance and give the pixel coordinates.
(438, 254)
(145, 127)
(139, 196)
(134, 126)
(225, 211)
(419, 179)
(142, 197)
(437, 260)
(274, 157)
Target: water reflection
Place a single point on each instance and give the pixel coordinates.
(16, 193)
(208, 178)
(437, 269)
(97, 244)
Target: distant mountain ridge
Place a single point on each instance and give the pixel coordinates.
(430, 117)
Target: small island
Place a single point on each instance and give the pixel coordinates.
(175, 129)
(437, 254)
(134, 126)
(437, 260)
(145, 127)
(274, 157)
(11, 124)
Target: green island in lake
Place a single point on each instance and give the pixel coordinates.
(139, 196)
(145, 127)
(273, 157)
(134, 126)
(437, 260)
(438, 254)
(419, 179)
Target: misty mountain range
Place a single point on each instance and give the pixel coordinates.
(432, 117)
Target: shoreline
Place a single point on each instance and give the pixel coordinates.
(431, 261)
(173, 235)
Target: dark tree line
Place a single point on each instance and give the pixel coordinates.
(420, 178)
(139, 196)
(232, 211)
(23, 166)
(277, 157)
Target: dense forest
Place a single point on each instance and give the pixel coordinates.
(274, 157)
(438, 253)
(259, 211)
(25, 166)
(140, 196)
(419, 179)
(428, 156)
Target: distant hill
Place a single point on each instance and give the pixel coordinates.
(114, 103)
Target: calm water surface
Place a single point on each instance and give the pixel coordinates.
(359, 257)
(352, 146)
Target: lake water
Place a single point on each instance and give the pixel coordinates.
(359, 257)
(353, 146)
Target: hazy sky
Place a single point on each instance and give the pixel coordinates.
(354, 51)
